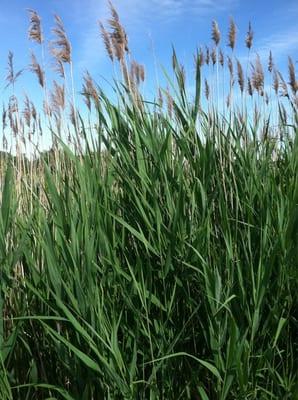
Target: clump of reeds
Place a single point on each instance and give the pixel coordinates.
(160, 262)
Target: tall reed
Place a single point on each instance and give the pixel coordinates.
(160, 262)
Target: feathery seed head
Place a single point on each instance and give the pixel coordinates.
(213, 56)
(60, 47)
(258, 76)
(249, 37)
(118, 35)
(107, 41)
(275, 81)
(240, 76)
(207, 89)
(35, 31)
(292, 76)
(37, 70)
(232, 34)
(215, 33)
(207, 56)
(270, 62)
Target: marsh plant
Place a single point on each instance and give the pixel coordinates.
(151, 252)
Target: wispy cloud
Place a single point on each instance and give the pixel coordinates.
(168, 10)
(281, 44)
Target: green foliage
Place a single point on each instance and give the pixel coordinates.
(164, 267)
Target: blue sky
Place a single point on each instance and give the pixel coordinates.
(152, 27)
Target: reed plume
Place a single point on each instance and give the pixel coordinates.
(4, 117)
(213, 56)
(207, 55)
(13, 111)
(47, 108)
(270, 62)
(258, 76)
(58, 98)
(249, 37)
(27, 111)
(137, 72)
(200, 57)
(215, 33)
(89, 90)
(60, 47)
(4, 125)
(240, 76)
(292, 76)
(11, 76)
(59, 68)
(33, 111)
(170, 103)
(275, 81)
(107, 41)
(35, 67)
(207, 89)
(232, 34)
(118, 36)
(35, 31)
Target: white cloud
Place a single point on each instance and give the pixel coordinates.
(281, 44)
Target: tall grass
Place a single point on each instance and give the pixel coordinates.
(159, 259)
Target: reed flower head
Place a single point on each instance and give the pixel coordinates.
(207, 89)
(58, 98)
(118, 36)
(200, 57)
(37, 70)
(249, 87)
(27, 111)
(60, 47)
(240, 76)
(215, 33)
(270, 62)
(89, 90)
(249, 37)
(107, 41)
(11, 76)
(258, 76)
(292, 76)
(35, 31)
(275, 81)
(213, 56)
(232, 34)
(207, 55)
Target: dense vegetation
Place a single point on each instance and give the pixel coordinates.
(160, 260)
